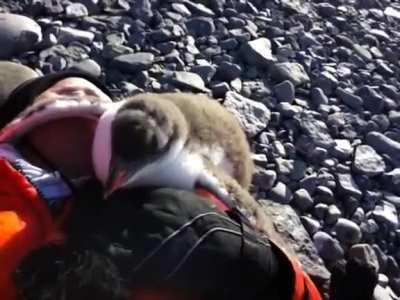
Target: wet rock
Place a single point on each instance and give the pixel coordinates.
(285, 91)
(257, 52)
(133, 63)
(347, 231)
(18, 34)
(290, 71)
(252, 115)
(367, 161)
(288, 224)
(328, 248)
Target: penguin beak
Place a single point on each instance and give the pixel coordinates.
(119, 178)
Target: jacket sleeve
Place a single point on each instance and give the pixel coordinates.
(25, 224)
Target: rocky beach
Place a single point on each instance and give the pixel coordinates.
(315, 85)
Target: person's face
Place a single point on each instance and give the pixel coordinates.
(73, 87)
(67, 142)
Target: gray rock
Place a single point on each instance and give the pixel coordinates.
(288, 225)
(133, 63)
(219, 90)
(76, 10)
(348, 186)
(188, 80)
(280, 193)
(367, 161)
(324, 194)
(349, 99)
(364, 253)
(200, 26)
(386, 213)
(265, 179)
(332, 215)
(284, 166)
(320, 210)
(258, 53)
(288, 110)
(252, 115)
(113, 50)
(285, 91)
(18, 34)
(371, 98)
(68, 35)
(206, 72)
(347, 231)
(199, 9)
(318, 97)
(290, 71)
(343, 149)
(181, 9)
(326, 9)
(316, 130)
(88, 66)
(228, 71)
(302, 200)
(362, 52)
(160, 35)
(392, 12)
(384, 145)
(311, 225)
(328, 248)
(358, 216)
(142, 10)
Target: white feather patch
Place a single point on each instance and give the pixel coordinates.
(102, 143)
(177, 169)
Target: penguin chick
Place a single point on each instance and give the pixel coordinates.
(213, 133)
(166, 139)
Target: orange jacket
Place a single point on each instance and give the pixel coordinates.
(25, 224)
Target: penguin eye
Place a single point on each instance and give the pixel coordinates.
(134, 137)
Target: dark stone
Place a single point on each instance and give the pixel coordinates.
(133, 63)
(200, 26)
(285, 91)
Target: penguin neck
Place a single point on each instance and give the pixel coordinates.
(177, 168)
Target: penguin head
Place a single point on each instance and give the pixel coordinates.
(135, 141)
